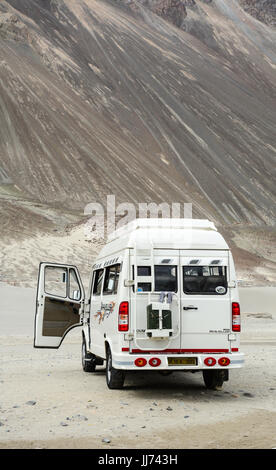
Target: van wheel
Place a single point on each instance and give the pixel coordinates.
(214, 379)
(114, 377)
(88, 360)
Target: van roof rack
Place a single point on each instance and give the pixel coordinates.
(197, 224)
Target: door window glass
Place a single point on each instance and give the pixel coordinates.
(204, 280)
(98, 280)
(55, 281)
(74, 286)
(165, 278)
(111, 279)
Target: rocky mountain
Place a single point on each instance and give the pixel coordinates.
(263, 10)
(149, 100)
(175, 11)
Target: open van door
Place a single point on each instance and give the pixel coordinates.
(59, 304)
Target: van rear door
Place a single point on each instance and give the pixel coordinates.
(156, 276)
(59, 304)
(205, 301)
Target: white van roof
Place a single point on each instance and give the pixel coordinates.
(191, 234)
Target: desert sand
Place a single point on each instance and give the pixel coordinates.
(47, 401)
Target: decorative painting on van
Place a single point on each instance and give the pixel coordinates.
(105, 311)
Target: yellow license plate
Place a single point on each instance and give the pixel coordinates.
(182, 361)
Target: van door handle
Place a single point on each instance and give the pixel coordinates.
(191, 307)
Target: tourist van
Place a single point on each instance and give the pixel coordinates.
(162, 297)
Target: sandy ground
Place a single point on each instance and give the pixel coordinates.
(47, 401)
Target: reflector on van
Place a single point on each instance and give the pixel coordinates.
(210, 361)
(224, 361)
(140, 362)
(154, 362)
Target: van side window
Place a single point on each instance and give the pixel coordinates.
(204, 280)
(98, 280)
(111, 279)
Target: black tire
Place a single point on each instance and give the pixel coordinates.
(114, 377)
(88, 359)
(214, 379)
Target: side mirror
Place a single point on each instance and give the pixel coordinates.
(231, 284)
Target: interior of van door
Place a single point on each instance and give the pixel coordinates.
(60, 298)
(59, 316)
(61, 306)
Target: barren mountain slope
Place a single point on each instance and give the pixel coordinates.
(101, 97)
(263, 10)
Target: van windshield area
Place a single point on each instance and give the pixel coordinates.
(204, 280)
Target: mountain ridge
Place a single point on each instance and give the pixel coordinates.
(97, 98)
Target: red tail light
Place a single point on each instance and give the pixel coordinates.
(210, 361)
(154, 362)
(123, 317)
(224, 361)
(140, 362)
(236, 317)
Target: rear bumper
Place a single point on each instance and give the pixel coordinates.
(126, 361)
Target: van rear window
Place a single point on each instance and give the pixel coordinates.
(204, 280)
(165, 278)
(143, 270)
(144, 287)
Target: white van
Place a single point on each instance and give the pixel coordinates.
(162, 296)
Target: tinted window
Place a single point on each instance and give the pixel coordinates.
(143, 270)
(204, 280)
(165, 278)
(111, 279)
(98, 280)
(144, 287)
